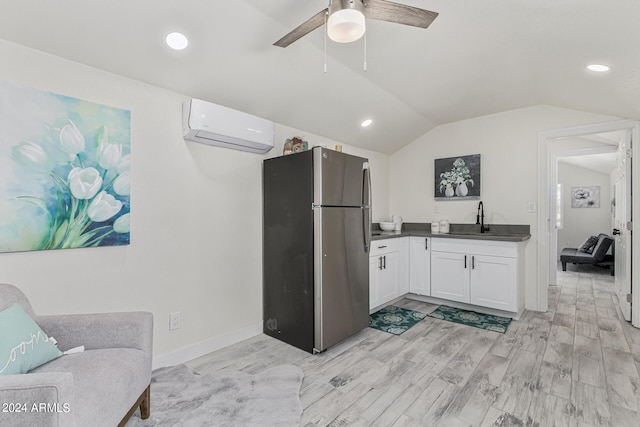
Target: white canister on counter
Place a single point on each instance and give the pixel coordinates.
(444, 226)
(435, 227)
(398, 221)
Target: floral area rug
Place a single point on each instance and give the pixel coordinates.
(395, 320)
(471, 318)
(227, 398)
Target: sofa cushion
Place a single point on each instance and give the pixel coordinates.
(574, 255)
(23, 345)
(602, 247)
(588, 245)
(99, 376)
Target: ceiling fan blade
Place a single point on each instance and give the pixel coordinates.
(303, 29)
(383, 10)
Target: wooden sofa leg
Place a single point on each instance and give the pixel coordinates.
(564, 266)
(145, 405)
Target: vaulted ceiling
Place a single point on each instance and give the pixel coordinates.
(478, 57)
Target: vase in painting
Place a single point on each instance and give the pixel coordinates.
(448, 192)
(462, 190)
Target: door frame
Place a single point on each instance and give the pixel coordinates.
(553, 181)
(545, 167)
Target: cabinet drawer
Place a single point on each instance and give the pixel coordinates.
(473, 246)
(379, 247)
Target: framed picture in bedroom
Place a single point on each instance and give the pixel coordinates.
(585, 197)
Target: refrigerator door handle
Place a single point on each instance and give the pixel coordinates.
(366, 185)
(366, 206)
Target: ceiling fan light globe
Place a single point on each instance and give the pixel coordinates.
(346, 25)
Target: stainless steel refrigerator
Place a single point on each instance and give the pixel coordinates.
(316, 238)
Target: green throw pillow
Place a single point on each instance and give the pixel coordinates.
(23, 345)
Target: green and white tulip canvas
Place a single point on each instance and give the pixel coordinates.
(64, 172)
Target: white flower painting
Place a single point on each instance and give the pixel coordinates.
(65, 172)
(585, 197)
(457, 178)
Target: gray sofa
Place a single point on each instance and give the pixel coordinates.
(596, 255)
(102, 386)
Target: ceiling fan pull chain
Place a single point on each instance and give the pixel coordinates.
(365, 51)
(325, 42)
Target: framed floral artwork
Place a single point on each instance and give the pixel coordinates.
(457, 178)
(585, 197)
(65, 172)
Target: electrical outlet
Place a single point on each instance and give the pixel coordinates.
(435, 208)
(174, 320)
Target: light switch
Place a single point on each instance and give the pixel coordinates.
(531, 207)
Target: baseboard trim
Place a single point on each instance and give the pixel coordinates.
(464, 306)
(209, 345)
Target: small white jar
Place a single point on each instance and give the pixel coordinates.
(435, 227)
(444, 226)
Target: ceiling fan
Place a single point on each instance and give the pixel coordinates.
(345, 19)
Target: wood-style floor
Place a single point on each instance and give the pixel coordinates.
(576, 365)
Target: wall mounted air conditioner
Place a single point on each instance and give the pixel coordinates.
(217, 125)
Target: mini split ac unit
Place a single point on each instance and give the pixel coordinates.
(217, 125)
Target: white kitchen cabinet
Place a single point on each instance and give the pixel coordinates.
(493, 282)
(449, 276)
(478, 272)
(374, 280)
(388, 270)
(388, 280)
(419, 266)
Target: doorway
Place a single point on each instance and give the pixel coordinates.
(579, 169)
(583, 140)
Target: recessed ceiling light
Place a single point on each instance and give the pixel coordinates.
(598, 67)
(366, 123)
(176, 41)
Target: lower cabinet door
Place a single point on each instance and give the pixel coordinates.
(450, 276)
(374, 279)
(420, 266)
(493, 282)
(388, 277)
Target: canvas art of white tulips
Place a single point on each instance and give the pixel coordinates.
(65, 167)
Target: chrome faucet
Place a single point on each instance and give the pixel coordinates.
(480, 218)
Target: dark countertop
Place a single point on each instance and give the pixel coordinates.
(500, 232)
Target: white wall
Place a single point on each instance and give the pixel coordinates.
(196, 240)
(508, 146)
(580, 223)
